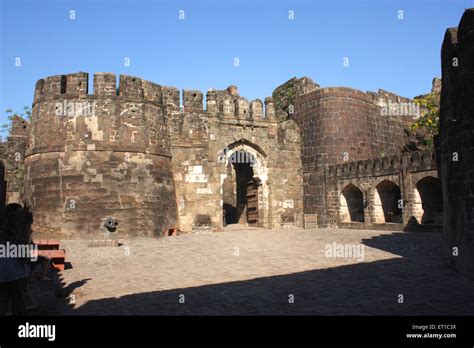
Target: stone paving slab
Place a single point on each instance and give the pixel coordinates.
(250, 271)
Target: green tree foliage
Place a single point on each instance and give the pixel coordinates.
(427, 125)
(26, 114)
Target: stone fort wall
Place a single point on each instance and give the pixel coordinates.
(149, 157)
(455, 144)
(394, 192)
(339, 125)
(110, 166)
(12, 166)
(203, 141)
(145, 158)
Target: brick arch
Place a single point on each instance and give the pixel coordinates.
(248, 143)
(392, 178)
(387, 196)
(351, 204)
(243, 145)
(428, 200)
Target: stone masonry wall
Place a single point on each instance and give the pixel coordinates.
(455, 144)
(203, 142)
(12, 155)
(342, 124)
(149, 158)
(101, 159)
(404, 172)
(3, 179)
(286, 95)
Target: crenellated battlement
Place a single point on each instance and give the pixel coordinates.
(242, 108)
(256, 108)
(76, 85)
(192, 100)
(131, 115)
(223, 103)
(108, 151)
(126, 118)
(170, 97)
(413, 161)
(336, 92)
(229, 104)
(269, 109)
(348, 92)
(105, 84)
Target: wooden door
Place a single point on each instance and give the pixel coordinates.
(252, 203)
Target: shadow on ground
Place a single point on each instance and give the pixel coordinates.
(428, 287)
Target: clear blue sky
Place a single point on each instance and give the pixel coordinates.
(198, 52)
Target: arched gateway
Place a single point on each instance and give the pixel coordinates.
(245, 190)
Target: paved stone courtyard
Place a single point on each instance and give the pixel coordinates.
(250, 271)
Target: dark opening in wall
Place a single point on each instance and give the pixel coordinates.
(63, 83)
(202, 220)
(244, 179)
(287, 218)
(390, 197)
(429, 189)
(111, 224)
(230, 214)
(355, 203)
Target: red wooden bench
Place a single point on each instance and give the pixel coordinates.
(47, 244)
(57, 257)
(49, 249)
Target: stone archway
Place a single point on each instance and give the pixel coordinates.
(377, 209)
(351, 204)
(389, 196)
(430, 199)
(245, 190)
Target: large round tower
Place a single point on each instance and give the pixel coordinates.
(99, 163)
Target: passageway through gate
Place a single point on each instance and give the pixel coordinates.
(241, 198)
(244, 186)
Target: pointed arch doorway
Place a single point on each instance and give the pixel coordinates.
(245, 190)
